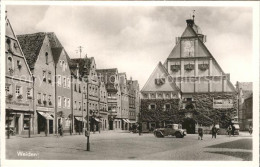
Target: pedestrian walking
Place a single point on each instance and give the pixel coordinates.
(99, 127)
(233, 130)
(229, 130)
(60, 129)
(250, 129)
(200, 132)
(214, 131)
(140, 129)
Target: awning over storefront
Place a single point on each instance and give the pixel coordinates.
(132, 122)
(80, 119)
(46, 115)
(126, 120)
(98, 120)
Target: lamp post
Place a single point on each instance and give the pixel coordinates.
(87, 133)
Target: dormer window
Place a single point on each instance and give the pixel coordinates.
(159, 81)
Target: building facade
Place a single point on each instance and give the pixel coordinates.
(37, 51)
(111, 80)
(18, 86)
(245, 101)
(204, 86)
(124, 101)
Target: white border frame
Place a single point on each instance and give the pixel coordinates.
(255, 163)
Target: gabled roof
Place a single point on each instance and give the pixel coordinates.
(84, 65)
(150, 85)
(54, 41)
(31, 45)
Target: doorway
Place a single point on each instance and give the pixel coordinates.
(189, 125)
(50, 126)
(111, 125)
(41, 123)
(17, 124)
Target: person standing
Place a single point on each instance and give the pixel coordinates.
(60, 130)
(229, 129)
(214, 131)
(200, 132)
(250, 129)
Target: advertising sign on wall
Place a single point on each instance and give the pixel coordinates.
(223, 103)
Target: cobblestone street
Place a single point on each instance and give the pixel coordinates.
(111, 145)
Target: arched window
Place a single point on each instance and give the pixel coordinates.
(46, 57)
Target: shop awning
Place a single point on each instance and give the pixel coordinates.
(46, 115)
(80, 119)
(98, 120)
(126, 120)
(132, 122)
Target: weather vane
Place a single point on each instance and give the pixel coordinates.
(193, 14)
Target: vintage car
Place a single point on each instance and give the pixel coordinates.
(236, 129)
(170, 130)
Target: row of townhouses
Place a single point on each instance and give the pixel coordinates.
(190, 88)
(46, 88)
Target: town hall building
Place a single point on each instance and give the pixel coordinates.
(207, 95)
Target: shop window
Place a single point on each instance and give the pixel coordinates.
(26, 122)
(44, 76)
(65, 102)
(29, 93)
(59, 101)
(59, 80)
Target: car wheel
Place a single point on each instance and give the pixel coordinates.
(158, 134)
(178, 135)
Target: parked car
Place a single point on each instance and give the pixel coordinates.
(237, 128)
(170, 130)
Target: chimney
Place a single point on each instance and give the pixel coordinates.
(190, 22)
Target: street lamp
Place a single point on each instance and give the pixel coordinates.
(87, 133)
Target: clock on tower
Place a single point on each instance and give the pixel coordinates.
(188, 48)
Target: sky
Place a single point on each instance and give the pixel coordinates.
(135, 38)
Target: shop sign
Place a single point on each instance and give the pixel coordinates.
(223, 103)
(17, 103)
